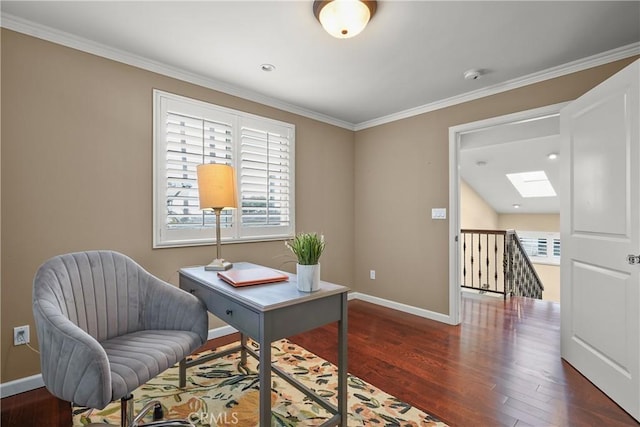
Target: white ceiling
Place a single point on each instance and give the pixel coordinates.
(512, 148)
(412, 54)
(410, 59)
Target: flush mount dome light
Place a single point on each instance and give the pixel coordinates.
(344, 18)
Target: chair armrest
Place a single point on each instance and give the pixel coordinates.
(167, 307)
(74, 365)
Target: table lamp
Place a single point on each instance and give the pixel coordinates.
(217, 191)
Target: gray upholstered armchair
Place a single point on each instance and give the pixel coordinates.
(106, 326)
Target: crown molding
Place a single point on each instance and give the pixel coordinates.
(43, 32)
(69, 40)
(550, 73)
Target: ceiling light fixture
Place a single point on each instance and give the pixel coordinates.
(344, 18)
(267, 67)
(552, 156)
(516, 206)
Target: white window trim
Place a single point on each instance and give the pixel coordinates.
(550, 259)
(198, 236)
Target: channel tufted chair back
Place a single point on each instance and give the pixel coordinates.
(106, 326)
(100, 292)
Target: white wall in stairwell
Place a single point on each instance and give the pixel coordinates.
(475, 213)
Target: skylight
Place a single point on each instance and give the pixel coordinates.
(532, 184)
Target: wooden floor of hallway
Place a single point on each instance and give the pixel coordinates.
(500, 367)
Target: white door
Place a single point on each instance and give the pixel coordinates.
(600, 227)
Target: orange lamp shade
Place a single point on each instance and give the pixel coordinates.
(216, 186)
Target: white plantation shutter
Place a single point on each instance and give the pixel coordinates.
(188, 133)
(265, 178)
(556, 248)
(541, 247)
(190, 142)
(534, 246)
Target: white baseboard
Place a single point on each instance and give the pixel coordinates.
(33, 382)
(439, 317)
(221, 332)
(21, 385)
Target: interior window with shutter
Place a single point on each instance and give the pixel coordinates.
(556, 248)
(541, 247)
(534, 246)
(189, 132)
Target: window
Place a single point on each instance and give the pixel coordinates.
(556, 247)
(534, 246)
(189, 132)
(542, 247)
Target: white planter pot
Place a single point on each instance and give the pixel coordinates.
(308, 277)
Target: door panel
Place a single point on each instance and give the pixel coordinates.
(600, 226)
(593, 330)
(603, 189)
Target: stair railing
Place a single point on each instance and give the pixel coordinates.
(494, 261)
(523, 279)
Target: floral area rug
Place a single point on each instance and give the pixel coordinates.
(221, 392)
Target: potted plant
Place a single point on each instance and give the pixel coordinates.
(307, 247)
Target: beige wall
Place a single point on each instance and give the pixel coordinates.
(401, 172)
(77, 175)
(548, 274)
(550, 277)
(530, 222)
(475, 213)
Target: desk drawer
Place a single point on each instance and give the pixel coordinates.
(240, 317)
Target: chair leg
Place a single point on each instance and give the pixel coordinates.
(169, 423)
(157, 413)
(127, 419)
(156, 407)
(126, 410)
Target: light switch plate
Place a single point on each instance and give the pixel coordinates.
(439, 213)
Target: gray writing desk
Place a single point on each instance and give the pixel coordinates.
(268, 313)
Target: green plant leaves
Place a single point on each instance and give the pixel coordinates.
(307, 247)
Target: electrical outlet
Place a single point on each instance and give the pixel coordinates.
(372, 274)
(21, 335)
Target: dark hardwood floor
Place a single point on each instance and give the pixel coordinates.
(500, 367)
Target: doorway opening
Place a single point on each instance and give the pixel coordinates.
(482, 198)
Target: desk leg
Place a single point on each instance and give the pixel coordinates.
(342, 362)
(265, 381)
(243, 352)
(182, 369)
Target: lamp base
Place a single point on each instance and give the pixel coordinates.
(218, 265)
